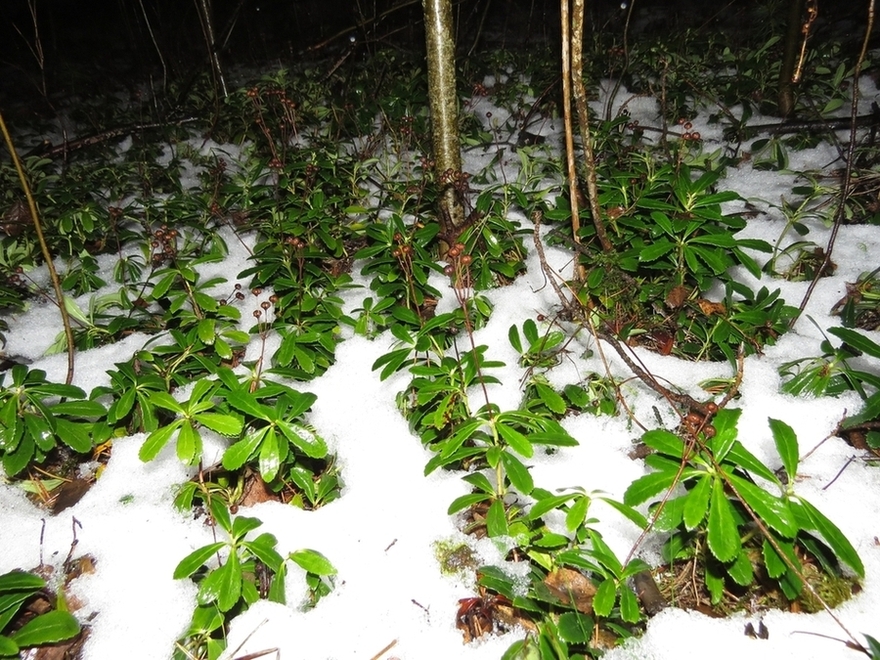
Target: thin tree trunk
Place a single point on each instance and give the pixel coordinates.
(444, 115)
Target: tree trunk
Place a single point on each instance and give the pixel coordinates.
(793, 39)
(444, 115)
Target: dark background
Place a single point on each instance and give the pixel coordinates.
(90, 43)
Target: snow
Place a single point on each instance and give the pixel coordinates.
(381, 533)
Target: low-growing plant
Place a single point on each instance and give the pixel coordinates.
(736, 528)
(57, 625)
(201, 409)
(247, 571)
(37, 416)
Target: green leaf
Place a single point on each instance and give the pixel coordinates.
(189, 444)
(206, 331)
(647, 486)
(629, 605)
(244, 524)
(463, 502)
(220, 513)
(8, 648)
(724, 423)
(545, 504)
(787, 446)
(222, 585)
(834, 538)
(74, 435)
(577, 513)
(304, 439)
(270, 455)
(19, 580)
(603, 600)
(194, 560)
(741, 570)
(743, 458)
(79, 409)
(723, 536)
(519, 475)
(248, 404)
(313, 561)
(156, 441)
(773, 563)
(574, 628)
(166, 401)
(873, 647)
(551, 399)
(772, 509)
(513, 338)
(496, 520)
(656, 250)
(665, 442)
(47, 628)
(696, 503)
(857, 340)
(227, 425)
(517, 441)
(238, 453)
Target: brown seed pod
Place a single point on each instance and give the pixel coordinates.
(709, 431)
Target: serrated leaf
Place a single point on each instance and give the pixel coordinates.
(517, 441)
(551, 399)
(189, 444)
(741, 570)
(724, 423)
(244, 524)
(574, 628)
(773, 562)
(156, 441)
(227, 425)
(577, 513)
(206, 331)
(270, 455)
(304, 439)
(604, 598)
(835, 539)
(236, 455)
(772, 509)
(696, 503)
(723, 536)
(664, 441)
(629, 606)
(647, 486)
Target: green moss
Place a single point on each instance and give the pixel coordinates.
(455, 558)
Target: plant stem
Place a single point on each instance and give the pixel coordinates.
(47, 256)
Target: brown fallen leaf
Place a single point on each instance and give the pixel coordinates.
(571, 588)
(708, 307)
(677, 296)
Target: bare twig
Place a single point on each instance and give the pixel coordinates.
(846, 184)
(44, 247)
(385, 650)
